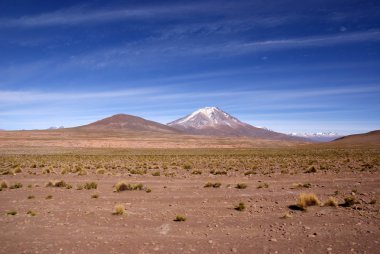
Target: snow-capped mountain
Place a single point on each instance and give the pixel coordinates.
(318, 136)
(214, 121)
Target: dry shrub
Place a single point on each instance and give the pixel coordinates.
(307, 199)
(180, 218)
(100, 171)
(123, 186)
(331, 202)
(119, 209)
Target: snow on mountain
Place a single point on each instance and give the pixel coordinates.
(206, 117)
(318, 136)
(215, 122)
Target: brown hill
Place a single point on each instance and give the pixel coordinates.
(370, 138)
(123, 122)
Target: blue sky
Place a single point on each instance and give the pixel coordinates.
(291, 66)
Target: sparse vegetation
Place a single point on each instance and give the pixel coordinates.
(16, 186)
(262, 185)
(213, 185)
(123, 186)
(349, 201)
(119, 209)
(90, 186)
(331, 202)
(95, 195)
(59, 184)
(3, 185)
(300, 185)
(13, 212)
(307, 199)
(179, 218)
(311, 169)
(240, 207)
(100, 171)
(287, 215)
(31, 213)
(241, 186)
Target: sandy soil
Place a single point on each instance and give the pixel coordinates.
(73, 222)
(74, 138)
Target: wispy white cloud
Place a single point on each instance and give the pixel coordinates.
(154, 51)
(84, 15)
(43, 97)
(168, 93)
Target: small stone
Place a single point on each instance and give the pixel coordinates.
(273, 240)
(234, 250)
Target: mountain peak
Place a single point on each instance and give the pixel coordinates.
(206, 117)
(215, 122)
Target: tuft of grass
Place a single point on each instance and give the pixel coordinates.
(58, 184)
(119, 209)
(17, 170)
(240, 207)
(331, 202)
(187, 166)
(311, 169)
(64, 171)
(214, 172)
(3, 185)
(147, 190)
(100, 171)
(16, 186)
(123, 186)
(262, 186)
(307, 199)
(31, 197)
(179, 218)
(372, 202)
(241, 186)
(95, 195)
(13, 212)
(250, 172)
(213, 185)
(90, 185)
(286, 216)
(49, 197)
(31, 213)
(196, 172)
(349, 201)
(157, 173)
(82, 172)
(300, 185)
(48, 171)
(137, 172)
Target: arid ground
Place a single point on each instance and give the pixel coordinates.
(59, 200)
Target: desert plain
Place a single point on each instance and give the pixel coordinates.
(58, 198)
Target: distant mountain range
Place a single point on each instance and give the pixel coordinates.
(318, 136)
